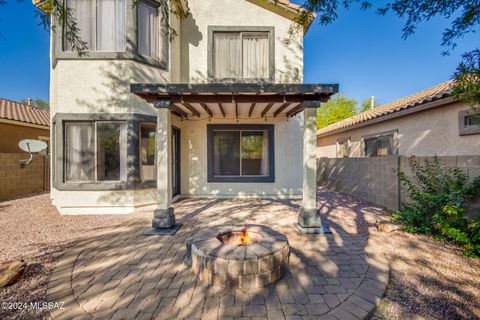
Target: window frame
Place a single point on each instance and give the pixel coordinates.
(464, 130)
(95, 147)
(241, 29)
(153, 125)
(376, 136)
(131, 52)
(270, 128)
(94, 25)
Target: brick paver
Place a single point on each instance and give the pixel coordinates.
(122, 274)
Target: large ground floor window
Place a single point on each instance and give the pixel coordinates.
(241, 153)
(95, 151)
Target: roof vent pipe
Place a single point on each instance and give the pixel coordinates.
(372, 102)
(29, 102)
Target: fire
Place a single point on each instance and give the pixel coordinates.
(245, 237)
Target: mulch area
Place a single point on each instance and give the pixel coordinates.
(429, 279)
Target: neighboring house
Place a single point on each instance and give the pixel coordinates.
(224, 99)
(20, 121)
(426, 123)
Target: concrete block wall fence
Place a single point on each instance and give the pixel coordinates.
(375, 179)
(16, 181)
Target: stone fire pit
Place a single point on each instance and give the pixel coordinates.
(244, 256)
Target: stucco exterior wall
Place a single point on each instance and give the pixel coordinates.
(103, 86)
(426, 133)
(11, 135)
(194, 39)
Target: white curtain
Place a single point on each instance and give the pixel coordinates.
(79, 152)
(82, 10)
(255, 56)
(227, 55)
(265, 157)
(111, 25)
(123, 152)
(147, 30)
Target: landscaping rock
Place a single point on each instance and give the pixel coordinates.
(385, 226)
(10, 272)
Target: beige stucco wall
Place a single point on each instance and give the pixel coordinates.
(194, 40)
(92, 86)
(426, 133)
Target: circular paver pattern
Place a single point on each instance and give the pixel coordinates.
(121, 274)
(256, 265)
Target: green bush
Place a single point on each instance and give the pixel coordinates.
(437, 199)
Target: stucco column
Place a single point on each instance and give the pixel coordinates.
(164, 218)
(308, 215)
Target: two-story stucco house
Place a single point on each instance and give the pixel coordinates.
(220, 110)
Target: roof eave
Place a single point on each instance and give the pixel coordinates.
(401, 113)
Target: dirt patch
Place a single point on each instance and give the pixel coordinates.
(33, 230)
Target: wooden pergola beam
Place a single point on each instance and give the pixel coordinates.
(279, 110)
(267, 108)
(252, 107)
(221, 109)
(176, 109)
(294, 111)
(192, 109)
(207, 109)
(211, 98)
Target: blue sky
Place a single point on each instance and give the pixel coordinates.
(362, 51)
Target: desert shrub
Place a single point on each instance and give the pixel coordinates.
(436, 206)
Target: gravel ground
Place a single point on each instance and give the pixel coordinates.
(32, 229)
(429, 279)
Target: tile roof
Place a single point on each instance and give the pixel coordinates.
(431, 94)
(16, 111)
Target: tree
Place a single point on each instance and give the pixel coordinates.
(38, 103)
(466, 20)
(338, 108)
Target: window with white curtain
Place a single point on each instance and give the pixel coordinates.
(241, 55)
(147, 152)
(95, 151)
(101, 24)
(148, 44)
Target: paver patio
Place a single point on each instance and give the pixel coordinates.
(122, 274)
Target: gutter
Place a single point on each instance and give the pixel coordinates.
(421, 107)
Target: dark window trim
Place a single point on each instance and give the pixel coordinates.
(271, 152)
(464, 130)
(393, 132)
(131, 52)
(271, 39)
(133, 155)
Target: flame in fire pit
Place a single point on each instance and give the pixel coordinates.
(243, 237)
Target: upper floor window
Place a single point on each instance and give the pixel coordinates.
(100, 23)
(148, 29)
(243, 54)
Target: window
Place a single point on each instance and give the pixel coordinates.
(95, 151)
(240, 153)
(147, 152)
(101, 24)
(343, 148)
(241, 55)
(469, 121)
(380, 146)
(147, 29)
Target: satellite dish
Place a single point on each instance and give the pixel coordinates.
(31, 146)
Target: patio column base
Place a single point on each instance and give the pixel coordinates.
(163, 223)
(309, 221)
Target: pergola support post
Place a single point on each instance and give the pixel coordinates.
(309, 219)
(163, 222)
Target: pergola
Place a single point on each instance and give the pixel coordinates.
(235, 101)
